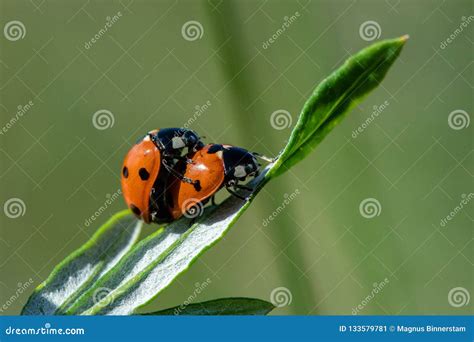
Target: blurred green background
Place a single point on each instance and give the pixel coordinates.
(147, 75)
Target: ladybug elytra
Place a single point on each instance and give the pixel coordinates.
(214, 166)
(142, 166)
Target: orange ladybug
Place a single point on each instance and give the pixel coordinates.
(212, 167)
(142, 175)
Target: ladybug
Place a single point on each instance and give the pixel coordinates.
(142, 166)
(213, 167)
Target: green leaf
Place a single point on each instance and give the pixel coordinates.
(335, 96)
(79, 270)
(221, 307)
(155, 262)
(123, 284)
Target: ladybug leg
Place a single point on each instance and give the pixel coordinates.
(213, 200)
(233, 193)
(243, 187)
(179, 175)
(234, 183)
(185, 160)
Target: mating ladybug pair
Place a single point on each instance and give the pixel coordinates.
(160, 184)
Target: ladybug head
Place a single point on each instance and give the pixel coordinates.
(192, 140)
(252, 167)
(247, 167)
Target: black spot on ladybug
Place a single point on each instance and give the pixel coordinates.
(125, 172)
(215, 148)
(135, 209)
(143, 173)
(197, 185)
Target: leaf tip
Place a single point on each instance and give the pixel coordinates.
(404, 38)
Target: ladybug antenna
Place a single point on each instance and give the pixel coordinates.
(263, 157)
